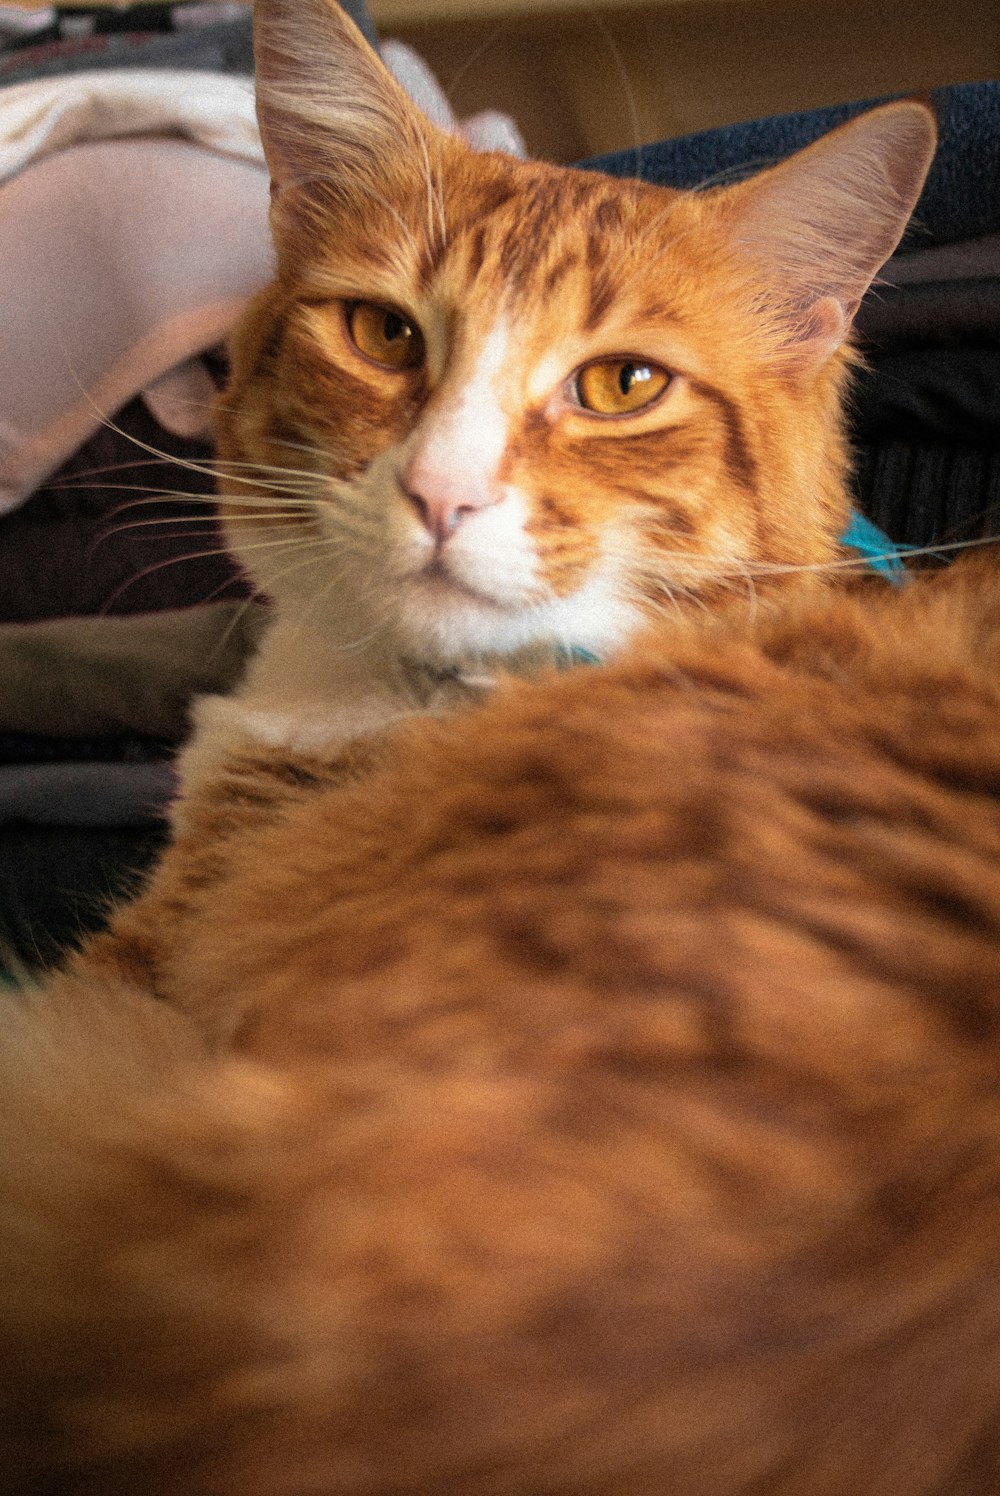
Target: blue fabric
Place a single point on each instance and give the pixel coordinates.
(575, 654)
(875, 546)
(960, 199)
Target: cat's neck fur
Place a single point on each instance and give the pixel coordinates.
(306, 691)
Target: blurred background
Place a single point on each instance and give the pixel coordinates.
(581, 79)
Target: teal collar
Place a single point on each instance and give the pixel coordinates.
(871, 543)
(875, 547)
(575, 654)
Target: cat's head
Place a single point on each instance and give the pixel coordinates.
(493, 403)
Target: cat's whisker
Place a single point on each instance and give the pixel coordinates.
(327, 545)
(309, 448)
(215, 470)
(437, 232)
(110, 425)
(472, 58)
(744, 580)
(407, 235)
(380, 627)
(224, 465)
(442, 215)
(208, 553)
(287, 501)
(238, 506)
(253, 597)
(669, 589)
(266, 517)
(70, 485)
(117, 530)
(208, 521)
(292, 542)
(209, 531)
(193, 404)
(129, 465)
(364, 186)
(289, 543)
(253, 601)
(157, 566)
(864, 563)
(628, 93)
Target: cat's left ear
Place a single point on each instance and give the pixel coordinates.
(331, 115)
(823, 223)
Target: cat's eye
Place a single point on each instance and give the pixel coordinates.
(619, 386)
(384, 336)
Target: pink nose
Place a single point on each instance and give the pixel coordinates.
(439, 515)
(441, 498)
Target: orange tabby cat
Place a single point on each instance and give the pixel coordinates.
(595, 1092)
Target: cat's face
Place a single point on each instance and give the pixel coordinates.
(526, 433)
(535, 404)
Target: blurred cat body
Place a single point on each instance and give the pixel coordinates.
(602, 1097)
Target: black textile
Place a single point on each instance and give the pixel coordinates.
(930, 394)
(95, 540)
(961, 198)
(58, 883)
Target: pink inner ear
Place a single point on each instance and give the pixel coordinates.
(821, 224)
(818, 332)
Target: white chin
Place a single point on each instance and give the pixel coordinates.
(449, 623)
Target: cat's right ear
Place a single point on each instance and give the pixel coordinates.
(822, 224)
(330, 113)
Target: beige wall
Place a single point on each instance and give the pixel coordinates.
(581, 79)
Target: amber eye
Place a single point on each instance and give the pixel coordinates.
(617, 386)
(384, 336)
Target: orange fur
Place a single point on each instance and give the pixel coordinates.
(601, 1096)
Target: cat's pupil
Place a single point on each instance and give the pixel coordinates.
(394, 327)
(631, 375)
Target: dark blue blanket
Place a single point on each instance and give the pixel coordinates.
(962, 195)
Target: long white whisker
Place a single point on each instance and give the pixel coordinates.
(216, 471)
(266, 517)
(218, 550)
(237, 618)
(286, 504)
(112, 467)
(626, 87)
(864, 563)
